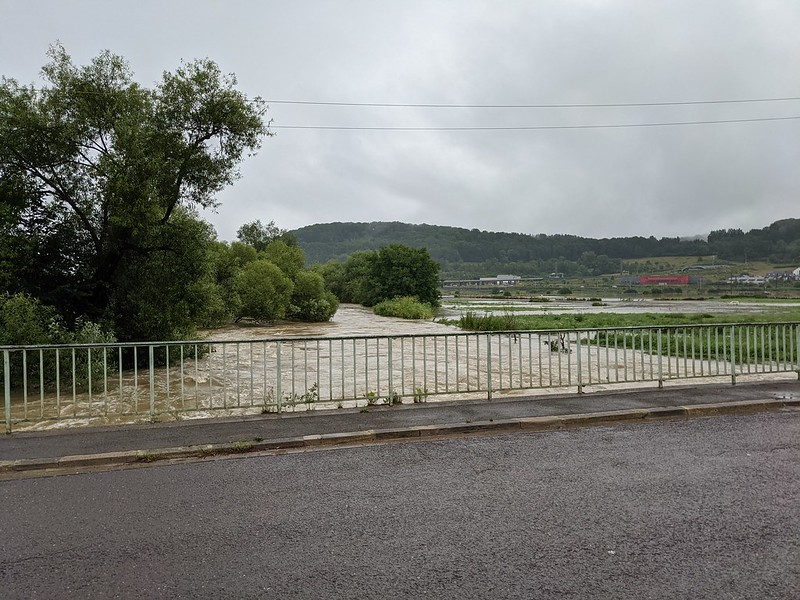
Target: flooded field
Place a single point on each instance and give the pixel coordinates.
(454, 307)
(359, 359)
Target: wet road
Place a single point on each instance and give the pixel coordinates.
(691, 509)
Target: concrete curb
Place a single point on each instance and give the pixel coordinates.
(129, 457)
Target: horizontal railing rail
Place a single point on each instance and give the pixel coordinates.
(125, 382)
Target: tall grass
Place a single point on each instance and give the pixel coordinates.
(472, 321)
(746, 344)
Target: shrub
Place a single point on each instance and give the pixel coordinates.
(407, 307)
(310, 300)
(264, 290)
(26, 321)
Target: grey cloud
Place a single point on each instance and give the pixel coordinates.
(599, 183)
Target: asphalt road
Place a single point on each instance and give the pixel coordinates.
(704, 508)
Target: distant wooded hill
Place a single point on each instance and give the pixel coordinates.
(470, 252)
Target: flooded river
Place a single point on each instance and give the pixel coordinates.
(349, 320)
(359, 359)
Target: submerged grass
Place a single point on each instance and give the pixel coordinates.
(471, 321)
(675, 333)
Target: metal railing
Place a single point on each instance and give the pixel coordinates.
(126, 382)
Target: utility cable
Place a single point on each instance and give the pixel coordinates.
(579, 105)
(535, 127)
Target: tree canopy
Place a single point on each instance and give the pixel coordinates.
(100, 179)
(394, 271)
(465, 253)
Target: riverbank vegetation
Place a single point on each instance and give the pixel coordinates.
(407, 307)
(472, 321)
(101, 181)
(396, 280)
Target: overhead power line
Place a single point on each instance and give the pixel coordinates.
(578, 105)
(535, 127)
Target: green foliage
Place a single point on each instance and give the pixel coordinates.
(215, 309)
(394, 271)
(745, 344)
(355, 279)
(156, 295)
(101, 175)
(259, 236)
(466, 254)
(473, 321)
(241, 254)
(349, 281)
(397, 271)
(215, 293)
(264, 292)
(310, 300)
(332, 273)
(290, 259)
(24, 320)
(407, 307)
(239, 286)
(512, 322)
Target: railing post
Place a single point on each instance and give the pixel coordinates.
(151, 355)
(279, 378)
(580, 368)
(489, 366)
(660, 361)
(7, 388)
(389, 367)
(733, 354)
(797, 349)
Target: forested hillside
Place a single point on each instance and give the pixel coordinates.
(472, 253)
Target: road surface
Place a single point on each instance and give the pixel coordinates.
(705, 508)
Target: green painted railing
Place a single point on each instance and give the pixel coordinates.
(127, 382)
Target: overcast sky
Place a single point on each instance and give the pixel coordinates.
(594, 182)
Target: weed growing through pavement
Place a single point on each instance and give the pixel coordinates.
(310, 397)
(242, 446)
(146, 457)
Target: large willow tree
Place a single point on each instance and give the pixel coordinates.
(99, 181)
